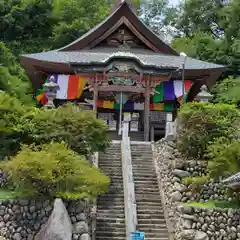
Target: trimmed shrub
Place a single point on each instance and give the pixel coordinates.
(54, 170)
(19, 124)
(81, 130)
(224, 157)
(202, 123)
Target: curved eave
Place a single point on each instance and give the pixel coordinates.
(122, 11)
(35, 69)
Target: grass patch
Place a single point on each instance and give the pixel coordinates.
(7, 194)
(215, 204)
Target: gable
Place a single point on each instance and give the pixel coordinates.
(122, 37)
(139, 35)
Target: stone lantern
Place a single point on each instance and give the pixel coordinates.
(51, 87)
(204, 95)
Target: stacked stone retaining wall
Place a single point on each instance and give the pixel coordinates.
(22, 219)
(192, 223)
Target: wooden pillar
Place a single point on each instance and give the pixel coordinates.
(147, 112)
(95, 97)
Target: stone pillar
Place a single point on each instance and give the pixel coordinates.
(51, 87)
(170, 131)
(147, 112)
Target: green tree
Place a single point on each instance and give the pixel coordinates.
(74, 18)
(210, 30)
(227, 91)
(53, 170)
(12, 77)
(27, 25)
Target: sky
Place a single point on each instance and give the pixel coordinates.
(174, 2)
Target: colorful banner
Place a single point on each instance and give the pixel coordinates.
(70, 87)
(129, 106)
(171, 90)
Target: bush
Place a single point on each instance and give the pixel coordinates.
(54, 170)
(196, 182)
(13, 124)
(224, 157)
(201, 123)
(19, 124)
(81, 130)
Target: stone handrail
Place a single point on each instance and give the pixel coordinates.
(128, 183)
(94, 207)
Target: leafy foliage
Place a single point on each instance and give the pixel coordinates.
(13, 125)
(202, 123)
(227, 91)
(12, 77)
(224, 157)
(74, 18)
(81, 130)
(209, 31)
(196, 183)
(53, 170)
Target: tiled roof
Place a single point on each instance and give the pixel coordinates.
(146, 58)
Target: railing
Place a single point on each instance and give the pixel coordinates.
(128, 183)
(94, 207)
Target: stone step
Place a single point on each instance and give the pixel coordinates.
(110, 234)
(101, 222)
(108, 220)
(149, 205)
(153, 185)
(151, 226)
(110, 211)
(146, 181)
(143, 165)
(146, 191)
(111, 238)
(109, 166)
(140, 154)
(111, 215)
(144, 172)
(143, 200)
(141, 175)
(112, 195)
(158, 211)
(111, 202)
(159, 231)
(150, 235)
(148, 216)
(150, 221)
(103, 228)
(110, 208)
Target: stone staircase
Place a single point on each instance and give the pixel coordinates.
(134, 136)
(150, 213)
(110, 206)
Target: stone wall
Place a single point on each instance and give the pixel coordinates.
(188, 225)
(220, 224)
(22, 219)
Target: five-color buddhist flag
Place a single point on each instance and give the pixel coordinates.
(70, 86)
(169, 94)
